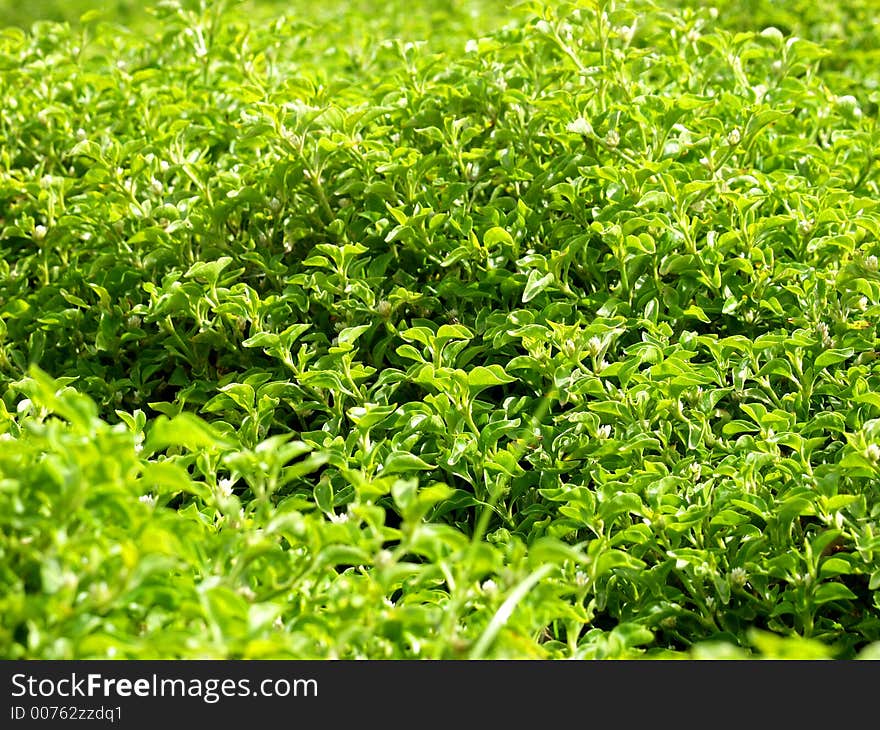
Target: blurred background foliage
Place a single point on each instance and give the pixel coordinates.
(850, 28)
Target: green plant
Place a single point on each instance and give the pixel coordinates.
(432, 335)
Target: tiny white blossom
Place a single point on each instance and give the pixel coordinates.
(39, 232)
(773, 34)
(603, 432)
(850, 105)
(471, 46)
(580, 126)
(873, 453)
(595, 346)
(612, 138)
(805, 227)
(738, 577)
(871, 263)
(147, 499)
(489, 586)
(734, 137)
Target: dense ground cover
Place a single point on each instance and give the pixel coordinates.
(468, 331)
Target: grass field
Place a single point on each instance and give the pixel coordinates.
(452, 330)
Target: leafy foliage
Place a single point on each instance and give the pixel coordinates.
(432, 335)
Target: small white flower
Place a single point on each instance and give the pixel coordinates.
(850, 105)
(805, 227)
(871, 263)
(542, 26)
(612, 138)
(734, 137)
(595, 346)
(39, 232)
(773, 34)
(383, 309)
(147, 499)
(696, 470)
(489, 586)
(471, 46)
(603, 432)
(580, 126)
(824, 335)
(738, 577)
(862, 303)
(81, 134)
(873, 453)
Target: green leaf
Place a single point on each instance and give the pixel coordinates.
(185, 430)
(833, 356)
(481, 377)
(401, 462)
(827, 592)
(536, 284)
